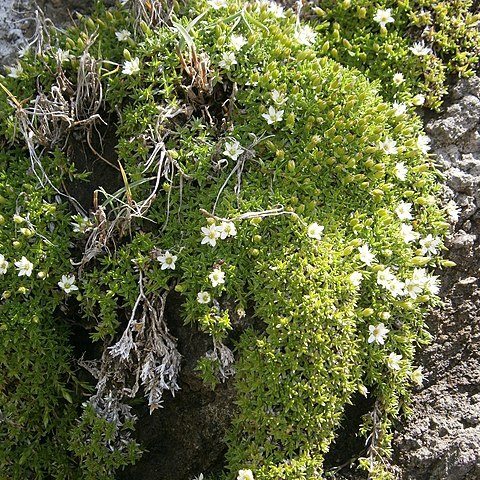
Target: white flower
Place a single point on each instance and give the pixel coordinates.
(417, 376)
(24, 267)
(413, 287)
(167, 260)
(67, 284)
(419, 49)
(63, 56)
(203, 297)
(453, 211)
(389, 146)
(15, 72)
(356, 278)
(399, 109)
(396, 288)
(3, 265)
(401, 171)
(123, 35)
(237, 42)
(315, 231)
(210, 235)
(407, 233)
(276, 10)
(228, 60)
(278, 97)
(393, 361)
(383, 16)
(366, 256)
(385, 277)
(245, 475)
(233, 149)
(429, 244)
(217, 4)
(404, 211)
(398, 79)
(377, 333)
(305, 35)
(227, 229)
(131, 67)
(418, 100)
(82, 225)
(385, 315)
(217, 277)
(423, 143)
(390, 282)
(273, 116)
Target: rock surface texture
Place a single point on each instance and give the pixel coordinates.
(441, 439)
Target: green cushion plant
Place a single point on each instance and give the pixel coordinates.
(264, 182)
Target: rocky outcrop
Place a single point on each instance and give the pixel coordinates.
(441, 439)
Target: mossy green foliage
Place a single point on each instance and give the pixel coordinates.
(239, 121)
(448, 29)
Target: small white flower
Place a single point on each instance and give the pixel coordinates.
(315, 231)
(305, 35)
(278, 97)
(453, 211)
(67, 284)
(398, 79)
(429, 244)
(217, 4)
(228, 60)
(273, 116)
(217, 277)
(419, 49)
(130, 67)
(383, 16)
(418, 376)
(388, 146)
(276, 10)
(3, 265)
(366, 256)
(404, 211)
(63, 56)
(418, 100)
(167, 260)
(385, 277)
(227, 229)
(356, 278)
(401, 171)
(393, 361)
(203, 297)
(238, 42)
(385, 315)
(407, 233)
(377, 333)
(123, 35)
(82, 225)
(245, 475)
(15, 72)
(210, 235)
(24, 267)
(233, 149)
(399, 109)
(413, 288)
(396, 288)
(423, 143)
(432, 284)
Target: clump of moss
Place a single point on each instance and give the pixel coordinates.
(410, 46)
(258, 176)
